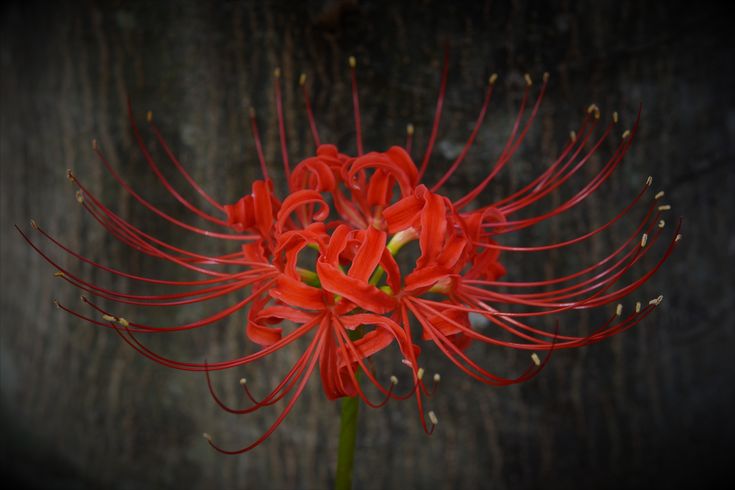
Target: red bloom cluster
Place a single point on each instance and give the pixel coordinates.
(321, 263)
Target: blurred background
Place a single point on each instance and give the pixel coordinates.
(651, 408)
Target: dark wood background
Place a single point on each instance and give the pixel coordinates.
(80, 410)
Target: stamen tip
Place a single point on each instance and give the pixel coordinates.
(207, 437)
(626, 133)
(493, 78)
(659, 195)
(594, 110)
(637, 306)
(656, 301)
(573, 136)
(619, 310)
(437, 377)
(528, 79)
(94, 144)
(251, 110)
(432, 417)
(34, 225)
(644, 240)
(535, 358)
(420, 373)
(277, 72)
(80, 197)
(410, 129)
(615, 117)
(546, 76)
(393, 380)
(58, 274)
(243, 381)
(56, 303)
(678, 237)
(352, 61)
(107, 318)
(70, 175)
(149, 116)
(649, 181)
(664, 207)
(302, 79)
(661, 223)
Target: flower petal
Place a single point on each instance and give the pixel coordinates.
(295, 293)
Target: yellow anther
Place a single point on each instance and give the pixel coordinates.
(80, 197)
(393, 380)
(638, 307)
(594, 110)
(619, 310)
(410, 129)
(352, 61)
(437, 378)
(58, 274)
(34, 225)
(243, 381)
(528, 80)
(644, 240)
(277, 73)
(661, 223)
(432, 417)
(546, 76)
(678, 237)
(420, 373)
(493, 78)
(149, 116)
(207, 437)
(664, 207)
(656, 301)
(94, 144)
(626, 133)
(615, 117)
(649, 181)
(302, 79)
(535, 358)
(573, 136)
(659, 195)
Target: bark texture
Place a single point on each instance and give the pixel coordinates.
(80, 409)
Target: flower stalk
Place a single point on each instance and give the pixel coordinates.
(347, 442)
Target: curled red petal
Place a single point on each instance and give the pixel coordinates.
(359, 292)
(368, 255)
(297, 200)
(295, 293)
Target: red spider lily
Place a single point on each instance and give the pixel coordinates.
(355, 213)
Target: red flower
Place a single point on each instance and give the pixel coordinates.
(352, 215)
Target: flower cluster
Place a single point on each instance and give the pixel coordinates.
(322, 263)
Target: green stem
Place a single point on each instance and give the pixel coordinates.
(348, 431)
(347, 439)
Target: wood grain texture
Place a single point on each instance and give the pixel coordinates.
(647, 409)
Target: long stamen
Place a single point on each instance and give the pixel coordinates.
(258, 145)
(309, 113)
(356, 105)
(437, 114)
(154, 167)
(281, 124)
(473, 135)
